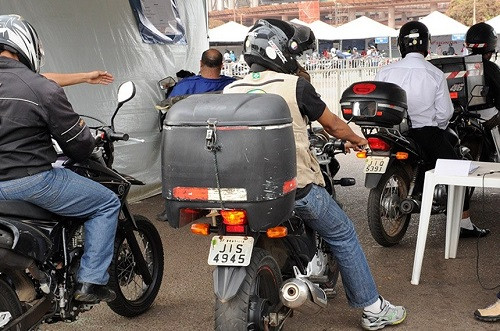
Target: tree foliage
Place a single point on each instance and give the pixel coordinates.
(462, 10)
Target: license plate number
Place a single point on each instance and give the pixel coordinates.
(230, 251)
(376, 164)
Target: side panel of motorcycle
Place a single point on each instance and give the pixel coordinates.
(28, 241)
(227, 281)
(230, 151)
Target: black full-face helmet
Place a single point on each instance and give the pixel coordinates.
(414, 37)
(481, 38)
(275, 44)
(19, 37)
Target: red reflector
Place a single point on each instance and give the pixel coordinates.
(378, 144)
(347, 111)
(235, 228)
(364, 88)
(379, 113)
(290, 185)
(454, 95)
(190, 193)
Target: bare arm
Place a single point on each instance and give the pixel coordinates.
(339, 129)
(91, 77)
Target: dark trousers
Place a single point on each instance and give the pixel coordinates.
(435, 144)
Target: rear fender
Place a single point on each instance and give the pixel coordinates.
(227, 281)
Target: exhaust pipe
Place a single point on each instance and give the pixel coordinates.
(302, 295)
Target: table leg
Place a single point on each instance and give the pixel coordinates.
(423, 225)
(456, 196)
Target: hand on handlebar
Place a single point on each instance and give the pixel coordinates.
(356, 147)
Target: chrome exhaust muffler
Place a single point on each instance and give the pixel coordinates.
(302, 295)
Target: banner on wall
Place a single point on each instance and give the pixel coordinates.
(159, 21)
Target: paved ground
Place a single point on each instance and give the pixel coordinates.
(448, 293)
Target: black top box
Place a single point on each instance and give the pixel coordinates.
(374, 103)
(229, 151)
(465, 78)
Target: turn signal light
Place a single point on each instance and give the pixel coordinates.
(401, 155)
(234, 217)
(361, 155)
(277, 232)
(200, 228)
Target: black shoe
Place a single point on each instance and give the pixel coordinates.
(474, 233)
(92, 293)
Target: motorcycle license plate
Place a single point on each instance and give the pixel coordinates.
(376, 164)
(230, 251)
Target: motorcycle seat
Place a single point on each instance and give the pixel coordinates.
(19, 208)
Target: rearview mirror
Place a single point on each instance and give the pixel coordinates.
(126, 91)
(166, 83)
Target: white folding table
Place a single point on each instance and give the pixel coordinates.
(487, 175)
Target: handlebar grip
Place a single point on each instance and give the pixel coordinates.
(115, 136)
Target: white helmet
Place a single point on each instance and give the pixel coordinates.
(19, 37)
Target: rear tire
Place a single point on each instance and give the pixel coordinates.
(133, 296)
(258, 294)
(9, 302)
(387, 223)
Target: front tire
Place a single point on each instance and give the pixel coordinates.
(257, 297)
(387, 223)
(133, 295)
(9, 303)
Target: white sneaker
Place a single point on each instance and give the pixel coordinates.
(389, 315)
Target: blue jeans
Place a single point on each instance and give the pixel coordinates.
(66, 193)
(321, 213)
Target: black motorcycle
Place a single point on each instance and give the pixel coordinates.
(393, 160)
(267, 261)
(40, 252)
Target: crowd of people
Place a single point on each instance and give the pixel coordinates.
(27, 153)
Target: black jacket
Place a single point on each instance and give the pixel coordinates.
(492, 80)
(32, 110)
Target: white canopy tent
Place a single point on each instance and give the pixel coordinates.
(230, 32)
(445, 32)
(441, 25)
(495, 23)
(365, 28)
(322, 30)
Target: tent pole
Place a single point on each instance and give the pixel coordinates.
(390, 47)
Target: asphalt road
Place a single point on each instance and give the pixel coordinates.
(448, 293)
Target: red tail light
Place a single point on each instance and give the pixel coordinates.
(378, 144)
(235, 220)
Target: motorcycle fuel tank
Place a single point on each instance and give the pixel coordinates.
(229, 151)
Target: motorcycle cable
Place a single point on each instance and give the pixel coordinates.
(211, 145)
(477, 239)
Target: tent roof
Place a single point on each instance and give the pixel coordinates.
(363, 28)
(495, 23)
(230, 32)
(440, 25)
(322, 30)
(297, 21)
